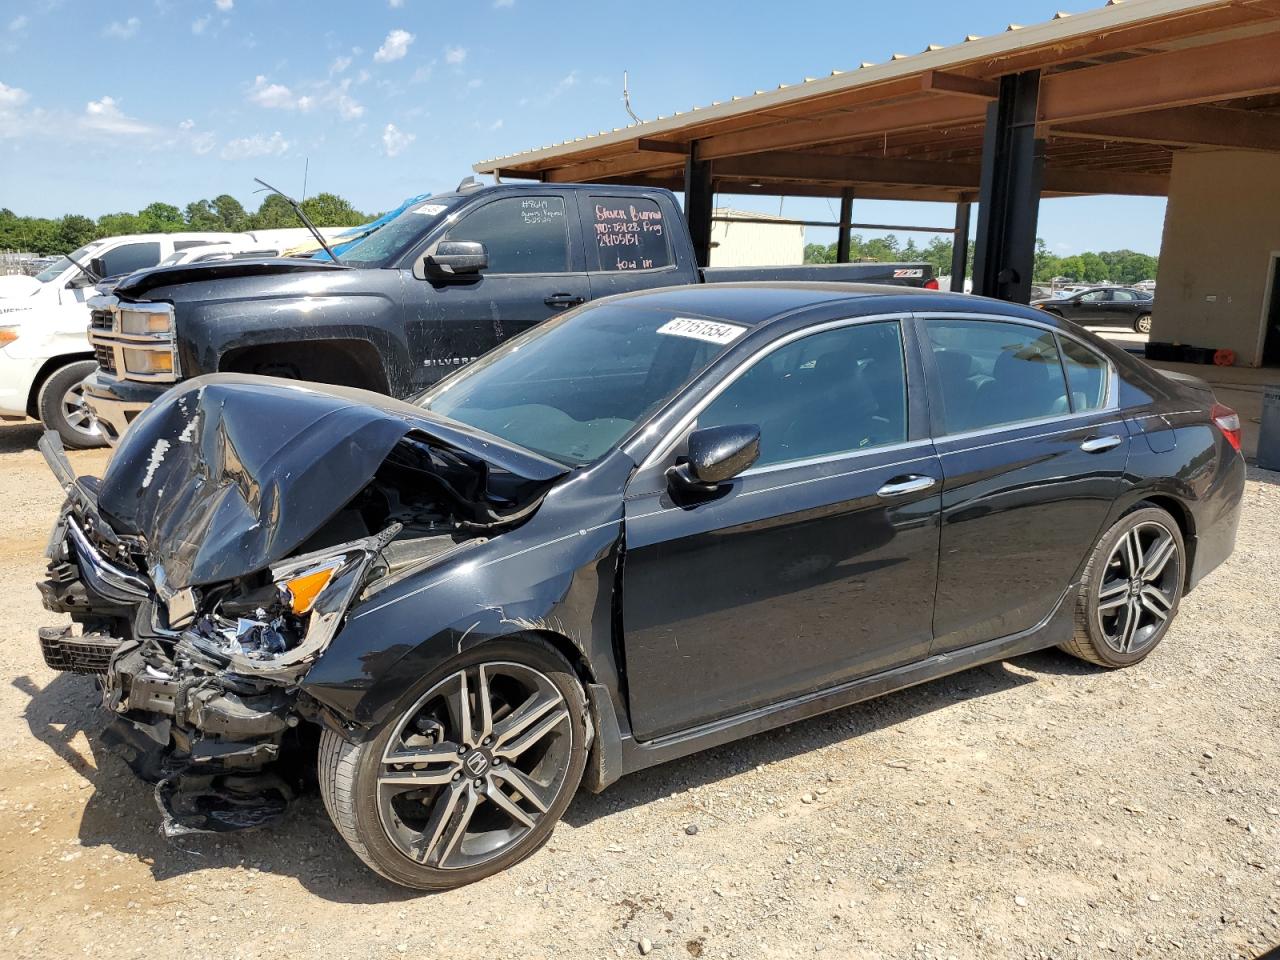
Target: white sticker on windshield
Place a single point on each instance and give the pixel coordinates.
(712, 331)
(430, 209)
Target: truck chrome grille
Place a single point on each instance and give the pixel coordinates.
(106, 358)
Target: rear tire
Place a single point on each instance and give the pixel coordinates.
(60, 404)
(1142, 324)
(1130, 590)
(472, 803)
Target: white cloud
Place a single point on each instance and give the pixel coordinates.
(504, 3)
(273, 96)
(496, 125)
(257, 145)
(122, 31)
(11, 98)
(455, 55)
(276, 96)
(568, 80)
(474, 83)
(394, 47)
(198, 24)
(105, 116)
(394, 140)
(19, 23)
(224, 5)
(339, 65)
(393, 4)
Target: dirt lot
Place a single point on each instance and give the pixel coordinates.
(1037, 808)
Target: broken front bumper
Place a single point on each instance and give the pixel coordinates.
(212, 739)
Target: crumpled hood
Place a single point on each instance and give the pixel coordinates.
(228, 474)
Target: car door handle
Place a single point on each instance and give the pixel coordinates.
(1098, 444)
(564, 300)
(901, 486)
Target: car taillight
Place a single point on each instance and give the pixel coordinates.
(931, 284)
(1228, 422)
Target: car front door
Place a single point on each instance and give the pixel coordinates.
(815, 565)
(1091, 307)
(1031, 469)
(535, 271)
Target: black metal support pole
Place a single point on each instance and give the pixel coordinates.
(698, 201)
(846, 218)
(1009, 198)
(960, 247)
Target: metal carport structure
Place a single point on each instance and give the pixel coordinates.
(1095, 103)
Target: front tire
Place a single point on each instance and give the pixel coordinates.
(472, 777)
(1142, 324)
(1131, 589)
(60, 404)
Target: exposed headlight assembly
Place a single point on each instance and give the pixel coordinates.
(315, 590)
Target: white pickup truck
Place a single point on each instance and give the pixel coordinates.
(44, 353)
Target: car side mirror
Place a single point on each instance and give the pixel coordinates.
(716, 454)
(457, 257)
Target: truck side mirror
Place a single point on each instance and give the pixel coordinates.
(457, 257)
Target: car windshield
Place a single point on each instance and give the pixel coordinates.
(573, 387)
(388, 243)
(53, 270)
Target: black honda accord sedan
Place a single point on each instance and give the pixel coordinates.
(652, 525)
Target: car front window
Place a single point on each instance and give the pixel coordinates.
(55, 269)
(389, 242)
(572, 388)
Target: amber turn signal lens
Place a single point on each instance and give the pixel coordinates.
(8, 335)
(303, 590)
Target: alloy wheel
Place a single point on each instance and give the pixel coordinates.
(472, 768)
(1143, 324)
(1139, 588)
(76, 413)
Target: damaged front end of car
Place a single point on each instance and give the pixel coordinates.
(218, 557)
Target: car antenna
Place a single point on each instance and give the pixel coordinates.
(297, 208)
(91, 274)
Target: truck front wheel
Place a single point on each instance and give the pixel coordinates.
(61, 406)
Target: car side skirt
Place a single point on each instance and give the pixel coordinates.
(616, 754)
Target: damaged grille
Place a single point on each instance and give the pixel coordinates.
(89, 653)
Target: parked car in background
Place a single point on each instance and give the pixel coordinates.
(43, 352)
(443, 283)
(644, 528)
(1104, 307)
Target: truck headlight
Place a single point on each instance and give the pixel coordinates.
(151, 362)
(153, 320)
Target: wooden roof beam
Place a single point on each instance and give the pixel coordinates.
(1219, 71)
(940, 81)
(1183, 126)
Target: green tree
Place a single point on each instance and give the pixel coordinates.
(75, 231)
(118, 224)
(199, 215)
(274, 214)
(161, 218)
(330, 210)
(230, 213)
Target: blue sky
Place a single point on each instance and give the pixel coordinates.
(109, 106)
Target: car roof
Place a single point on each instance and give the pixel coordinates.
(760, 302)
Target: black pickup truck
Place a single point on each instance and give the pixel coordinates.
(435, 288)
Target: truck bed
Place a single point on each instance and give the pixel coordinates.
(898, 274)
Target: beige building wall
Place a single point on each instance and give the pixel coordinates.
(1221, 229)
(754, 244)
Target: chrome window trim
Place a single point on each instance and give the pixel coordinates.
(673, 436)
(834, 457)
(1112, 404)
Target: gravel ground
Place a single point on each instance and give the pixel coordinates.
(1035, 808)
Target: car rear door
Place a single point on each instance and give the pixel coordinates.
(629, 243)
(535, 271)
(814, 566)
(1030, 468)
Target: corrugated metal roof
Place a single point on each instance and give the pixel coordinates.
(1061, 28)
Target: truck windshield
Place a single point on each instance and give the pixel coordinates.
(55, 269)
(573, 387)
(388, 243)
